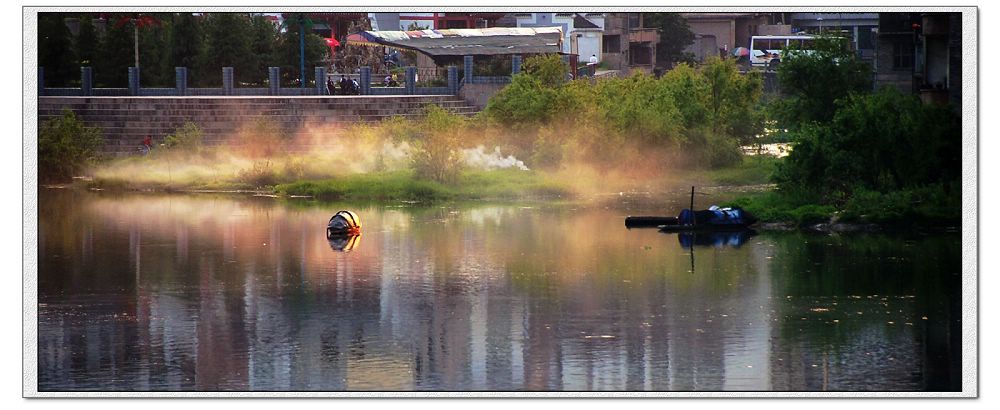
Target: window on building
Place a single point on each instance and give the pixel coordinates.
(866, 38)
(634, 21)
(612, 44)
(902, 56)
(640, 54)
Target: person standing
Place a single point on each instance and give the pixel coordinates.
(343, 85)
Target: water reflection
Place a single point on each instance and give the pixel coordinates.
(150, 292)
(343, 243)
(733, 239)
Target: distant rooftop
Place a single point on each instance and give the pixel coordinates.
(457, 42)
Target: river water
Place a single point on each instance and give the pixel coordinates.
(217, 293)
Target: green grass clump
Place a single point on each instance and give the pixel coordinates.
(403, 185)
(775, 207)
(929, 205)
(754, 170)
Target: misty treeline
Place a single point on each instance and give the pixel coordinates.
(687, 117)
(204, 43)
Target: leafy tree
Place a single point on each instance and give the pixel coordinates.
(228, 41)
(549, 69)
(316, 53)
(137, 22)
(733, 100)
(114, 58)
(882, 142)
(675, 35)
(812, 82)
(689, 91)
(187, 138)
(525, 101)
(66, 146)
(155, 45)
(187, 43)
(641, 107)
(87, 42)
(438, 156)
(56, 51)
(264, 41)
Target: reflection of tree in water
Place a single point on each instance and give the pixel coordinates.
(457, 298)
(863, 300)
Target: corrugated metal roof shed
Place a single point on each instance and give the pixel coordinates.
(458, 42)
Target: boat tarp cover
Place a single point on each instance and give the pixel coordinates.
(714, 216)
(458, 42)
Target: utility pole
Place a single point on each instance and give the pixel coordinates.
(302, 54)
(135, 32)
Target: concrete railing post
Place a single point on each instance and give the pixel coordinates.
(274, 80)
(87, 81)
(133, 81)
(227, 80)
(467, 61)
(453, 80)
(515, 64)
(41, 80)
(411, 80)
(366, 80)
(320, 80)
(181, 80)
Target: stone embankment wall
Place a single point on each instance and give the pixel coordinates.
(126, 121)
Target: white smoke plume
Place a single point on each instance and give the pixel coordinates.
(479, 158)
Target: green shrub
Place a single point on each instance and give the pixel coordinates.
(524, 102)
(260, 174)
(642, 108)
(294, 168)
(187, 138)
(707, 112)
(720, 151)
(884, 141)
(782, 207)
(812, 83)
(547, 152)
(437, 156)
(930, 204)
(549, 69)
(65, 147)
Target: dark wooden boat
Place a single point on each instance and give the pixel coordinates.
(711, 219)
(704, 227)
(649, 221)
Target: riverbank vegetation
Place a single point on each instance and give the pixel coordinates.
(66, 147)
(859, 155)
(543, 136)
(688, 118)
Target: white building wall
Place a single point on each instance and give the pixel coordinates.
(589, 43)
